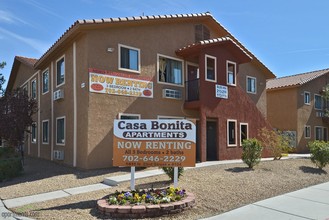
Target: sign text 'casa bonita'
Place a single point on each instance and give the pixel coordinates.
(148, 143)
(118, 84)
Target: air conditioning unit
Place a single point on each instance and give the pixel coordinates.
(58, 154)
(172, 94)
(59, 94)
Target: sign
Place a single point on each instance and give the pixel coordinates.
(119, 85)
(221, 92)
(154, 143)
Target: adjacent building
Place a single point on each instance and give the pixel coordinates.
(295, 105)
(147, 67)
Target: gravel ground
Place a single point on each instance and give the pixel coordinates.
(218, 188)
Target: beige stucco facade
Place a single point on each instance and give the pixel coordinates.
(89, 116)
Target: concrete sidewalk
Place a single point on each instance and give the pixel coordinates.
(308, 203)
(260, 207)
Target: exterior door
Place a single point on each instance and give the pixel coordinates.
(211, 140)
(192, 83)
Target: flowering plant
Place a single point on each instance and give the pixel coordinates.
(152, 196)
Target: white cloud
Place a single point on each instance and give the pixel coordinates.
(43, 8)
(37, 45)
(7, 17)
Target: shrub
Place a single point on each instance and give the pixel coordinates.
(319, 153)
(10, 163)
(275, 141)
(251, 152)
(170, 172)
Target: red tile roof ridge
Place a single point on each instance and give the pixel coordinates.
(27, 60)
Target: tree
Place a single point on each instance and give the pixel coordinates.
(2, 78)
(16, 111)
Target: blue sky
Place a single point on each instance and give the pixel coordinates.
(288, 36)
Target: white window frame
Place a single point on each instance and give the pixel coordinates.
(119, 58)
(35, 94)
(246, 124)
(42, 76)
(254, 78)
(64, 140)
(35, 133)
(307, 127)
(235, 70)
(227, 132)
(206, 67)
(172, 58)
(44, 121)
(129, 115)
(169, 117)
(26, 88)
(62, 57)
(309, 98)
(315, 133)
(315, 101)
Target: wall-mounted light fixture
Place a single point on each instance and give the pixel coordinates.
(110, 49)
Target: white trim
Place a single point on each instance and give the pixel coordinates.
(38, 96)
(242, 123)
(206, 66)
(63, 143)
(52, 139)
(36, 92)
(119, 58)
(75, 124)
(321, 102)
(169, 117)
(43, 121)
(62, 57)
(128, 114)
(42, 82)
(231, 62)
(251, 77)
(227, 133)
(307, 126)
(172, 58)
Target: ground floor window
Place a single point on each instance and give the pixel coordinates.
(34, 133)
(231, 133)
(243, 132)
(125, 116)
(307, 131)
(321, 133)
(45, 132)
(60, 130)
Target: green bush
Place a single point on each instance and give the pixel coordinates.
(10, 163)
(170, 172)
(251, 152)
(319, 153)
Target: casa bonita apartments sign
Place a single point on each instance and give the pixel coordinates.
(154, 143)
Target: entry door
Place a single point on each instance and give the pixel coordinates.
(211, 140)
(192, 83)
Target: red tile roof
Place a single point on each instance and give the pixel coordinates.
(294, 80)
(28, 61)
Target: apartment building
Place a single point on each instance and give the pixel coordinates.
(147, 67)
(295, 105)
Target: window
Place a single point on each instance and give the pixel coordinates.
(125, 116)
(45, 81)
(318, 133)
(231, 73)
(211, 71)
(243, 132)
(317, 102)
(60, 71)
(307, 98)
(34, 89)
(251, 84)
(201, 33)
(129, 58)
(25, 88)
(60, 131)
(325, 134)
(34, 133)
(45, 132)
(307, 131)
(231, 133)
(170, 70)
